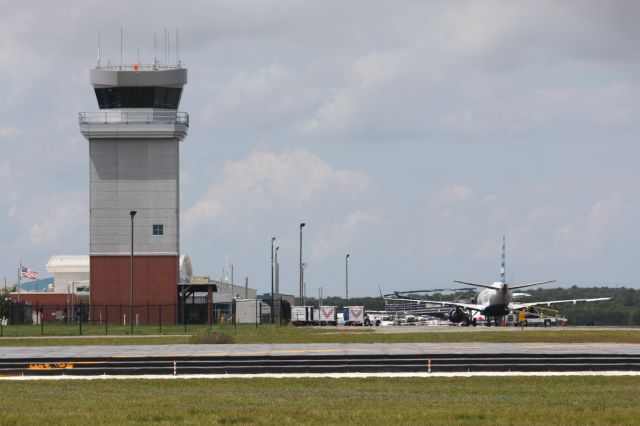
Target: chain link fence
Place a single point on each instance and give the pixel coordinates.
(142, 319)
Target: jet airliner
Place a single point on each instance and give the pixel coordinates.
(496, 299)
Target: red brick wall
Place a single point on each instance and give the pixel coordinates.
(49, 302)
(155, 282)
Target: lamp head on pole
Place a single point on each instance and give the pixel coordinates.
(302, 225)
(132, 213)
(347, 256)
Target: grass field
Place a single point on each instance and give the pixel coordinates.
(379, 401)
(60, 335)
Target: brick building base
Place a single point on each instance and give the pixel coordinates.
(155, 289)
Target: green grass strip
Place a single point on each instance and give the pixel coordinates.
(380, 401)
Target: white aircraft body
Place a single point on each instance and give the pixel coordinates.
(496, 300)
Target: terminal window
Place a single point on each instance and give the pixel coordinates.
(158, 229)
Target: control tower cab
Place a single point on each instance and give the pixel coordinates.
(134, 167)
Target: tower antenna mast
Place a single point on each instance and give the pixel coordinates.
(155, 55)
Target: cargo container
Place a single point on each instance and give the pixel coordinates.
(328, 315)
(353, 315)
(303, 315)
(252, 311)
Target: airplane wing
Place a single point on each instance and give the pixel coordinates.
(554, 302)
(518, 295)
(471, 306)
(513, 287)
(475, 285)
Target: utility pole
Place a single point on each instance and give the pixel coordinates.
(346, 276)
(301, 273)
(132, 213)
(304, 286)
(272, 241)
(277, 273)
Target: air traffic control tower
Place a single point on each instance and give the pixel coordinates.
(134, 147)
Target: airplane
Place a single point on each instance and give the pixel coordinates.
(496, 299)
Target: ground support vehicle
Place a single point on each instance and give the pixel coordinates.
(378, 318)
(533, 319)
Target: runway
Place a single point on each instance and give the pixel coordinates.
(303, 359)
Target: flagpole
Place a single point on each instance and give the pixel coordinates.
(19, 279)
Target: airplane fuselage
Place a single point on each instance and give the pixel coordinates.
(495, 302)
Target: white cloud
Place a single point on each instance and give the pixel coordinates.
(340, 237)
(588, 234)
(348, 108)
(266, 180)
(450, 194)
(56, 224)
(544, 213)
(9, 131)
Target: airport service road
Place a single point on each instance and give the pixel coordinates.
(318, 359)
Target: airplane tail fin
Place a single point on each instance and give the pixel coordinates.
(502, 265)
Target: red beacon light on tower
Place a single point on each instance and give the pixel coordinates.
(136, 66)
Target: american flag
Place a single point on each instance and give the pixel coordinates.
(28, 273)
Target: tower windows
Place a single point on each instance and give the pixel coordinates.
(138, 97)
(158, 229)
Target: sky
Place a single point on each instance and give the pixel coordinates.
(412, 135)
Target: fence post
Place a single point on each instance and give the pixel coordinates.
(80, 318)
(106, 320)
(41, 313)
(160, 317)
(11, 316)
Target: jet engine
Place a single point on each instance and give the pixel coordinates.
(457, 315)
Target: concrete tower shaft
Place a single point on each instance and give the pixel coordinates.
(134, 165)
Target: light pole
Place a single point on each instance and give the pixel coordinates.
(346, 275)
(277, 273)
(304, 285)
(132, 213)
(301, 273)
(272, 240)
